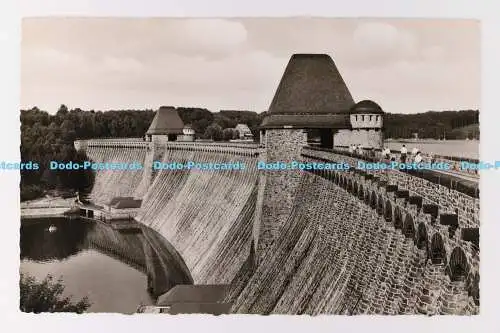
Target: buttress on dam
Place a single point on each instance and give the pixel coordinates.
(303, 241)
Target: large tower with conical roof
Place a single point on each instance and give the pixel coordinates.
(312, 97)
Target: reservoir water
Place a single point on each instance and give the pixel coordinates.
(116, 270)
(458, 148)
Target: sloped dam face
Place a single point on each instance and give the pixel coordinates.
(334, 254)
(205, 215)
(330, 249)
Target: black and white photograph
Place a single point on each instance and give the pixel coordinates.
(288, 165)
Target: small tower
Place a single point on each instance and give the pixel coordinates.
(166, 126)
(367, 121)
(188, 133)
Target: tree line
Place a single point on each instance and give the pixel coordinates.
(432, 125)
(46, 137)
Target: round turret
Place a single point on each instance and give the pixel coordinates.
(366, 106)
(187, 133)
(188, 130)
(367, 115)
(367, 124)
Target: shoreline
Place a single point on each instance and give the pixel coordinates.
(46, 207)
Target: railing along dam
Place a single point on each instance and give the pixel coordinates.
(367, 243)
(206, 215)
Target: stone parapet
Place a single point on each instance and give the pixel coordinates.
(448, 200)
(432, 217)
(245, 149)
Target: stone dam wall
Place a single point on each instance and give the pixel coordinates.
(346, 242)
(207, 216)
(367, 243)
(117, 183)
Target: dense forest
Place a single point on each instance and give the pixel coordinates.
(46, 137)
(433, 125)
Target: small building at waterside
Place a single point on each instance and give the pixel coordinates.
(118, 208)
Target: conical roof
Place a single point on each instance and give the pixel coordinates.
(311, 93)
(166, 121)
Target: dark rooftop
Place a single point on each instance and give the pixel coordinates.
(311, 93)
(311, 84)
(367, 106)
(166, 121)
(125, 202)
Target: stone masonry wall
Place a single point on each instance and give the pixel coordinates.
(355, 245)
(365, 137)
(448, 200)
(433, 217)
(278, 193)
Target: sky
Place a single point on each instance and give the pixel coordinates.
(405, 65)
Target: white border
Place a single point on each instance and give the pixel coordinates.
(10, 19)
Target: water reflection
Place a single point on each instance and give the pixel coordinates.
(39, 244)
(114, 268)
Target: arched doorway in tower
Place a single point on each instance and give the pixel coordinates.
(322, 137)
(438, 251)
(458, 266)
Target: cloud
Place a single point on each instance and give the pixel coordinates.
(232, 81)
(212, 34)
(378, 43)
(222, 63)
(417, 86)
(137, 38)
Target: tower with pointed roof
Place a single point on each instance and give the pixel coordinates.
(166, 126)
(312, 98)
(311, 95)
